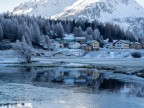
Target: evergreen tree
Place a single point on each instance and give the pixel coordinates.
(84, 34)
(68, 28)
(75, 31)
(94, 25)
(130, 36)
(37, 34)
(108, 31)
(79, 31)
(1, 32)
(113, 32)
(141, 40)
(59, 30)
(53, 27)
(89, 31)
(26, 39)
(47, 42)
(96, 34)
(102, 30)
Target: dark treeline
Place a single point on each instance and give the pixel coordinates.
(35, 29)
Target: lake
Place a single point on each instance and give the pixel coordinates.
(41, 87)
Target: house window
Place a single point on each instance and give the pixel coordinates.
(61, 46)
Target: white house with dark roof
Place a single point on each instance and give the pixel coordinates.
(122, 44)
(74, 45)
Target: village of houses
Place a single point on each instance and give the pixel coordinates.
(72, 42)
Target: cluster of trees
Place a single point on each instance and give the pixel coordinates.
(34, 30)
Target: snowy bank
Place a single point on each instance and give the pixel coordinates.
(101, 57)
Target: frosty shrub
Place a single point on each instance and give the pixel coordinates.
(136, 55)
(23, 50)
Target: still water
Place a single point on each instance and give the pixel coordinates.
(68, 88)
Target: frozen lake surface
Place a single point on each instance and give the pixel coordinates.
(67, 88)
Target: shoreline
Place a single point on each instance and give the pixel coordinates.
(122, 62)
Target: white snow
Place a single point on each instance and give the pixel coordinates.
(74, 57)
(109, 9)
(42, 97)
(113, 53)
(45, 8)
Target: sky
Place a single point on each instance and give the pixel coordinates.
(8, 5)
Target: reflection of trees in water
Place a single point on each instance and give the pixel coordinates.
(83, 78)
(131, 89)
(43, 76)
(112, 84)
(24, 69)
(28, 69)
(87, 78)
(95, 83)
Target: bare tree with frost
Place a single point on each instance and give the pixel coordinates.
(24, 51)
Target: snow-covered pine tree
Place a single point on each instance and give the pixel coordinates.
(59, 29)
(78, 31)
(1, 32)
(89, 31)
(141, 40)
(47, 42)
(68, 28)
(26, 39)
(37, 33)
(96, 34)
(108, 31)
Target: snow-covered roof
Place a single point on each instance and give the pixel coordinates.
(80, 38)
(123, 41)
(69, 37)
(72, 43)
(83, 44)
(91, 41)
(135, 43)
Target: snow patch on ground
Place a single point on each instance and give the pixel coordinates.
(113, 53)
(101, 57)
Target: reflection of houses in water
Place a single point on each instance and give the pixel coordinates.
(16, 105)
(88, 78)
(69, 81)
(74, 74)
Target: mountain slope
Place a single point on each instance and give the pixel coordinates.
(103, 10)
(45, 8)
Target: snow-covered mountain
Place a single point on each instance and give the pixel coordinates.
(104, 10)
(45, 8)
(127, 13)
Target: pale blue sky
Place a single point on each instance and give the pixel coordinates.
(8, 5)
